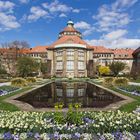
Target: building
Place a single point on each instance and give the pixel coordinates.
(136, 63)
(71, 56)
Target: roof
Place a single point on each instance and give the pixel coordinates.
(69, 29)
(38, 49)
(136, 51)
(70, 39)
(128, 52)
(101, 49)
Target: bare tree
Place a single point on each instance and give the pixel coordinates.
(11, 54)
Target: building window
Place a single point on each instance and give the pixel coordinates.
(70, 92)
(59, 53)
(81, 92)
(80, 53)
(59, 65)
(70, 65)
(70, 52)
(81, 65)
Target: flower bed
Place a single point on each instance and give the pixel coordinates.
(137, 111)
(76, 136)
(4, 90)
(132, 89)
(71, 124)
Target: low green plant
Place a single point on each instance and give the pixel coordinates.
(73, 116)
(31, 79)
(58, 116)
(108, 81)
(120, 81)
(18, 82)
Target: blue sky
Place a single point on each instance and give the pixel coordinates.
(110, 23)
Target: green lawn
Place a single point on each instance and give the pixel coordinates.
(130, 106)
(127, 107)
(136, 81)
(7, 106)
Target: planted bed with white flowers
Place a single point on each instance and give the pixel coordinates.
(71, 125)
(4, 90)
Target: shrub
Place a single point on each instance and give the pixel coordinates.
(120, 81)
(4, 80)
(104, 70)
(31, 79)
(108, 81)
(18, 82)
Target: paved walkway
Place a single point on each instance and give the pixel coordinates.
(5, 84)
(133, 83)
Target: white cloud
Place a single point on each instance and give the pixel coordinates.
(119, 4)
(76, 10)
(113, 16)
(62, 15)
(115, 35)
(56, 6)
(118, 43)
(7, 20)
(82, 25)
(86, 27)
(112, 20)
(37, 13)
(6, 6)
(24, 1)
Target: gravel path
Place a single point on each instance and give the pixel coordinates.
(5, 84)
(133, 83)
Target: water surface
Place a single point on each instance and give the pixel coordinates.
(87, 94)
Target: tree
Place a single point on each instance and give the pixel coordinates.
(43, 68)
(11, 54)
(2, 70)
(26, 66)
(104, 70)
(117, 67)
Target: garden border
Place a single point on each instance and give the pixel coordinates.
(27, 107)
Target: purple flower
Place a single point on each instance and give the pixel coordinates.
(29, 134)
(16, 137)
(7, 136)
(118, 135)
(56, 135)
(137, 136)
(87, 120)
(76, 136)
(37, 136)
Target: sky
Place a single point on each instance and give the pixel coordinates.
(109, 23)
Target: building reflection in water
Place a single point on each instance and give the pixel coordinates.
(87, 94)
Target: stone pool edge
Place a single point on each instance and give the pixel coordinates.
(27, 107)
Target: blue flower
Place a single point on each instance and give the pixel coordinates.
(29, 134)
(76, 136)
(118, 135)
(56, 135)
(16, 137)
(87, 120)
(37, 136)
(7, 136)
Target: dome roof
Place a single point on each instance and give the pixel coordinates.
(69, 30)
(70, 22)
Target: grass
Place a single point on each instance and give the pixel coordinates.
(127, 107)
(136, 81)
(10, 107)
(130, 106)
